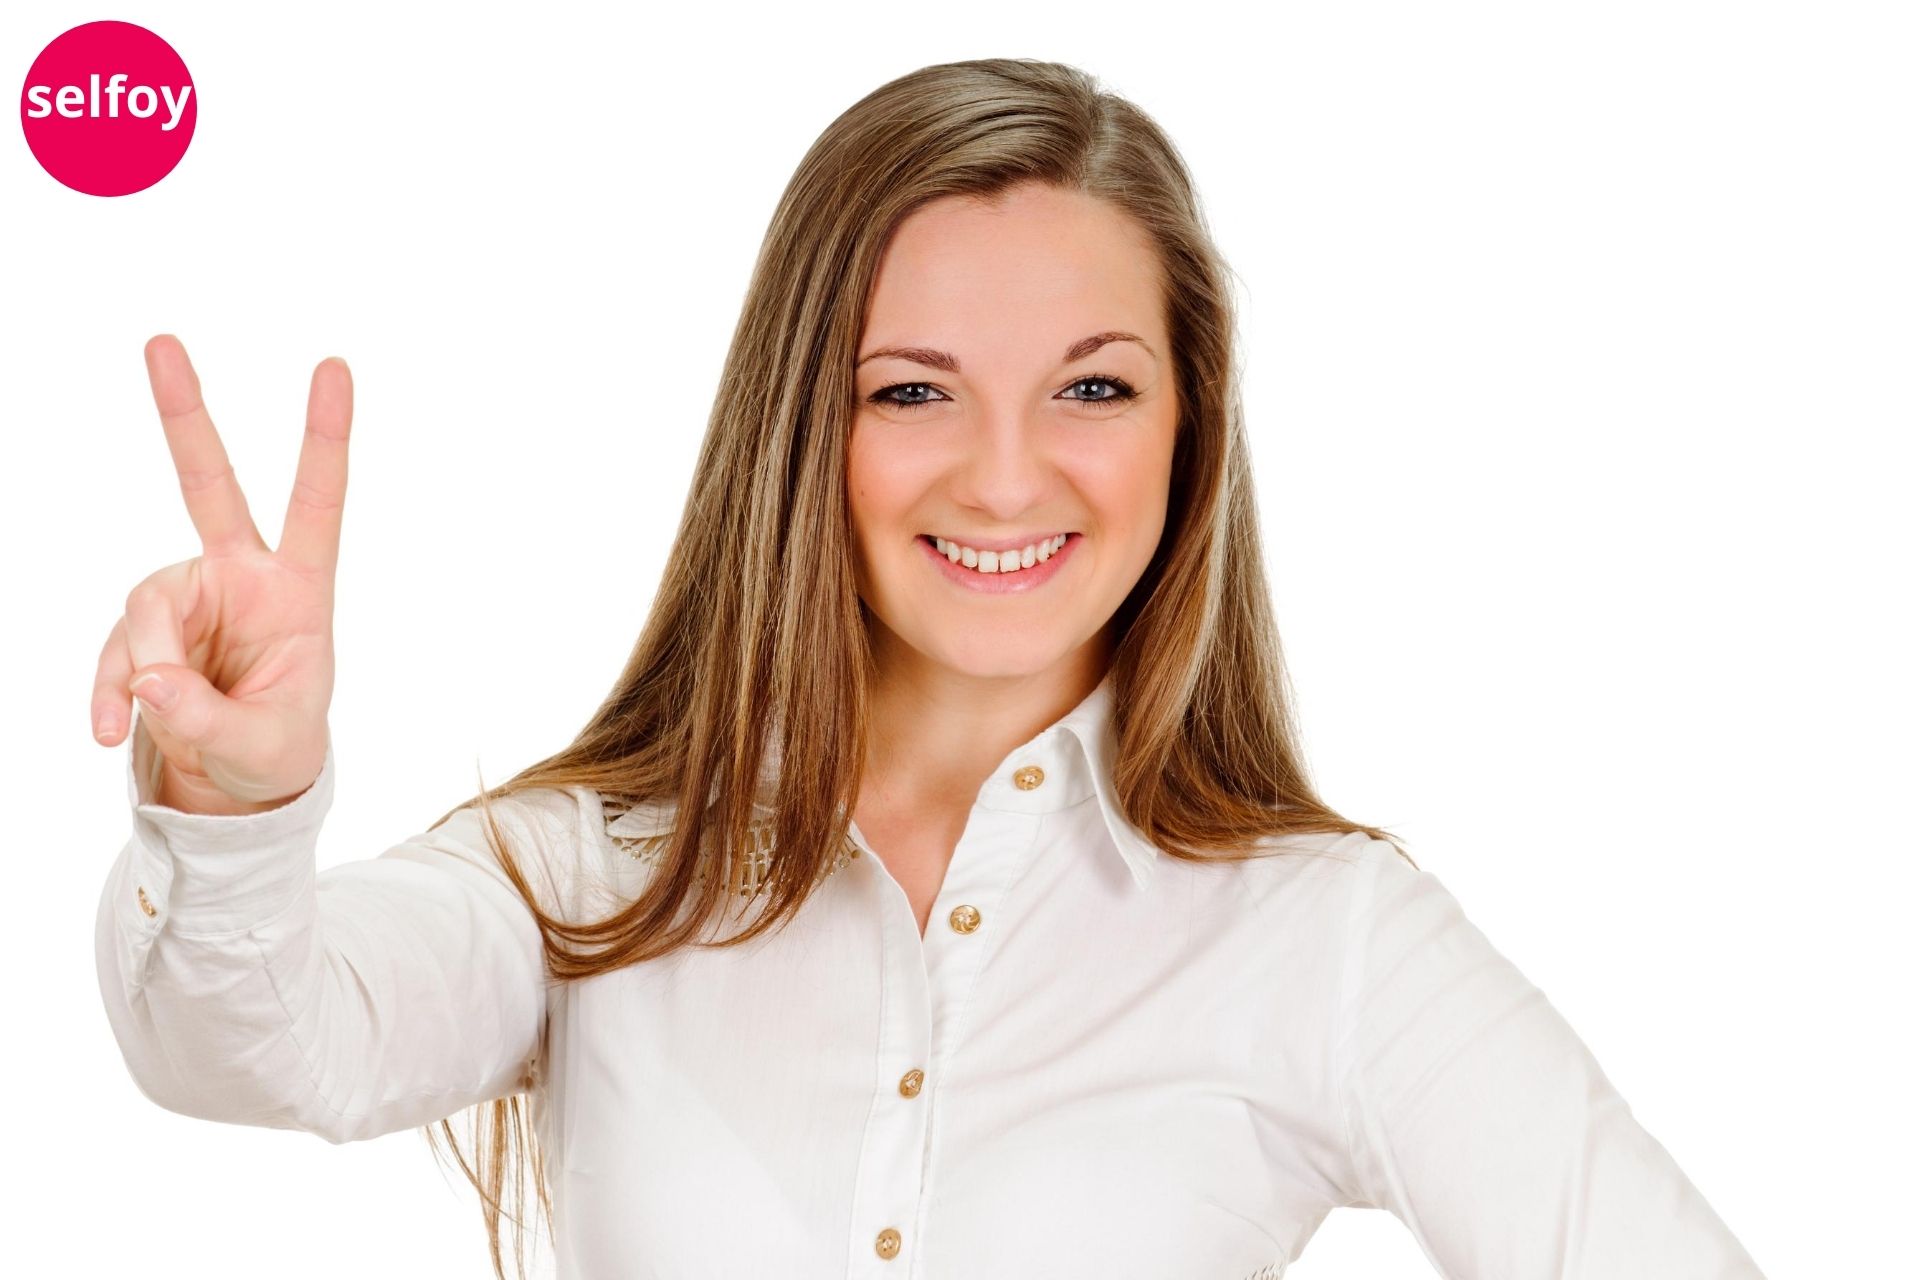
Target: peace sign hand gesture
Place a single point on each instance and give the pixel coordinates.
(231, 652)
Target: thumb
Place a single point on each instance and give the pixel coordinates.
(189, 708)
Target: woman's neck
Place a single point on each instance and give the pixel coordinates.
(936, 733)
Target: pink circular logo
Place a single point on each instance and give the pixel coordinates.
(108, 108)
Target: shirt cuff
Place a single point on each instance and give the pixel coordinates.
(218, 873)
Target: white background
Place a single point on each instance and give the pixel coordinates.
(1581, 375)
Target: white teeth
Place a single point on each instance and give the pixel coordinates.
(1000, 561)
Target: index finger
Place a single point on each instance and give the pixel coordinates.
(214, 502)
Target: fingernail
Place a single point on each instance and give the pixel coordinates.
(157, 693)
(108, 723)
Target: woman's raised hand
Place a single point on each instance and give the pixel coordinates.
(231, 652)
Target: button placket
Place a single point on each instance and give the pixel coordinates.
(993, 849)
(889, 1186)
(929, 980)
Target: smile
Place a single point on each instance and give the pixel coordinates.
(1007, 561)
(1003, 572)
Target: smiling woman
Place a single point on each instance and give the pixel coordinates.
(944, 897)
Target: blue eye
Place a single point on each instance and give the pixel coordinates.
(1123, 392)
(885, 395)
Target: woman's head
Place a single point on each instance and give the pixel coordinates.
(1015, 392)
(999, 211)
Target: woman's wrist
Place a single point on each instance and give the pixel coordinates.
(200, 796)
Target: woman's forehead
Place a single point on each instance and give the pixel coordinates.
(1040, 271)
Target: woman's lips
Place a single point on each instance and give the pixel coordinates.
(1038, 574)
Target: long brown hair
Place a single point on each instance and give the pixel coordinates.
(741, 661)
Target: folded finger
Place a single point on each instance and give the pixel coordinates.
(112, 708)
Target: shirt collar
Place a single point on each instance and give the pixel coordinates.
(1075, 754)
(1073, 758)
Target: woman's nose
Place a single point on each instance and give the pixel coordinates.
(1007, 466)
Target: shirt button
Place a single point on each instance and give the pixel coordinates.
(887, 1243)
(910, 1082)
(964, 919)
(145, 905)
(1028, 778)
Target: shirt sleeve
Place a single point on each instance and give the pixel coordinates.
(245, 987)
(1480, 1119)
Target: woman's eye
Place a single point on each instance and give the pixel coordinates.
(1121, 391)
(885, 395)
(916, 393)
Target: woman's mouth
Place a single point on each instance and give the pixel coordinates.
(1005, 572)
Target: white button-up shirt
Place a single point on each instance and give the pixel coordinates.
(1099, 1061)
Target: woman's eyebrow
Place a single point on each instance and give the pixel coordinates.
(945, 362)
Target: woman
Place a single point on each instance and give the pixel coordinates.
(939, 891)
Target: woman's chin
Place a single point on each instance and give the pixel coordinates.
(989, 652)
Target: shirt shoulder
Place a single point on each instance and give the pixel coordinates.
(557, 837)
(1309, 879)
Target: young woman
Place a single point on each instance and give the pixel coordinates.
(938, 892)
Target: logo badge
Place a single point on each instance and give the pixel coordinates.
(108, 108)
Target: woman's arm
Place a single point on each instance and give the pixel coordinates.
(1481, 1120)
(376, 996)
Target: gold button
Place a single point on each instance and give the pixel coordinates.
(145, 905)
(887, 1243)
(1028, 778)
(910, 1082)
(964, 919)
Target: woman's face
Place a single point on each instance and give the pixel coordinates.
(1013, 385)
